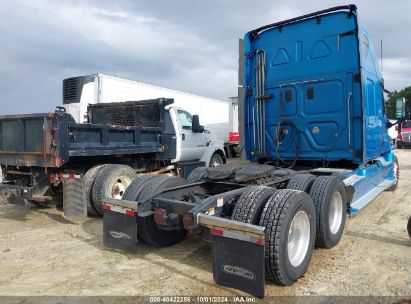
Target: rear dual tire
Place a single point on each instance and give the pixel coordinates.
(143, 189)
(251, 203)
(111, 182)
(330, 200)
(197, 175)
(88, 182)
(409, 227)
(302, 182)
(289, 220)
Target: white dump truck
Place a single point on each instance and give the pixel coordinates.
(80, 91)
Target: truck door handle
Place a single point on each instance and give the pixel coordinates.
(183, 136)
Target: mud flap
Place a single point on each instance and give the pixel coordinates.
(119, 227)
(237, 254)
(74, 201)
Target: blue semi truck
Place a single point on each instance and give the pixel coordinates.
(312, 125)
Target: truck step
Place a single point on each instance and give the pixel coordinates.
(364, 200)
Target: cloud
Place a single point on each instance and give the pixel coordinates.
(396, 72)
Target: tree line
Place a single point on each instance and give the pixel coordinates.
(392, 98)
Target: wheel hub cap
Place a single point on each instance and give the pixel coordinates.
(119, 187)
(336, 212)
(298, 238)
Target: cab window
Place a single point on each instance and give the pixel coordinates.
(185, 119)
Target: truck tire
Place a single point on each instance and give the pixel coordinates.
(251, 203)
(111, 181)
(289, 221)
(196, 175)
(409, 227)
(216, 160)
(396, 175)
(330, 200)
(88, 181)
(302, 182)
(146, 227)
(137, 185)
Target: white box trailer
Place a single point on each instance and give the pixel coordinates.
(233, 134)
(80, 91)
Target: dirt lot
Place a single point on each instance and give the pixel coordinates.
(43, 254)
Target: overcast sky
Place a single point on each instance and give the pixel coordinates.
(185, 45)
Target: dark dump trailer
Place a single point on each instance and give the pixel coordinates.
(312, 124)
(49, 155)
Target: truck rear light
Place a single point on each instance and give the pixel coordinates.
(188, 221)
(58, 161)
(106, 207)
(130, 212)
(260, 241)
(159, 216)
(217, 232)
(53, 178)
(233, 137)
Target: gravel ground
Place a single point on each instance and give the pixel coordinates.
(43, 254)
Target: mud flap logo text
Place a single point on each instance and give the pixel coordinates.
(238, 271)
(119, 235)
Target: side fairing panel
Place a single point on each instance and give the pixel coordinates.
(376, 138)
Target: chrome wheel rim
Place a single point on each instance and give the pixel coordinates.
(216, 163)
(335, 213)
(298, 238)
(119, 186)
(396, 175)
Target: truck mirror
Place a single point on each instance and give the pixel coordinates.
(400, 108)
(195, 126)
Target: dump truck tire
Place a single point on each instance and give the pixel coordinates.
(289, 221)
(88, 181)
(396, 175)
(302, 182)
(196, 175)
(216, 160)
(111, 181)
(251, 203)
(330, 200)
(146, 227)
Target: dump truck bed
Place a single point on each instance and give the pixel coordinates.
(26, 140)
(52, 140)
